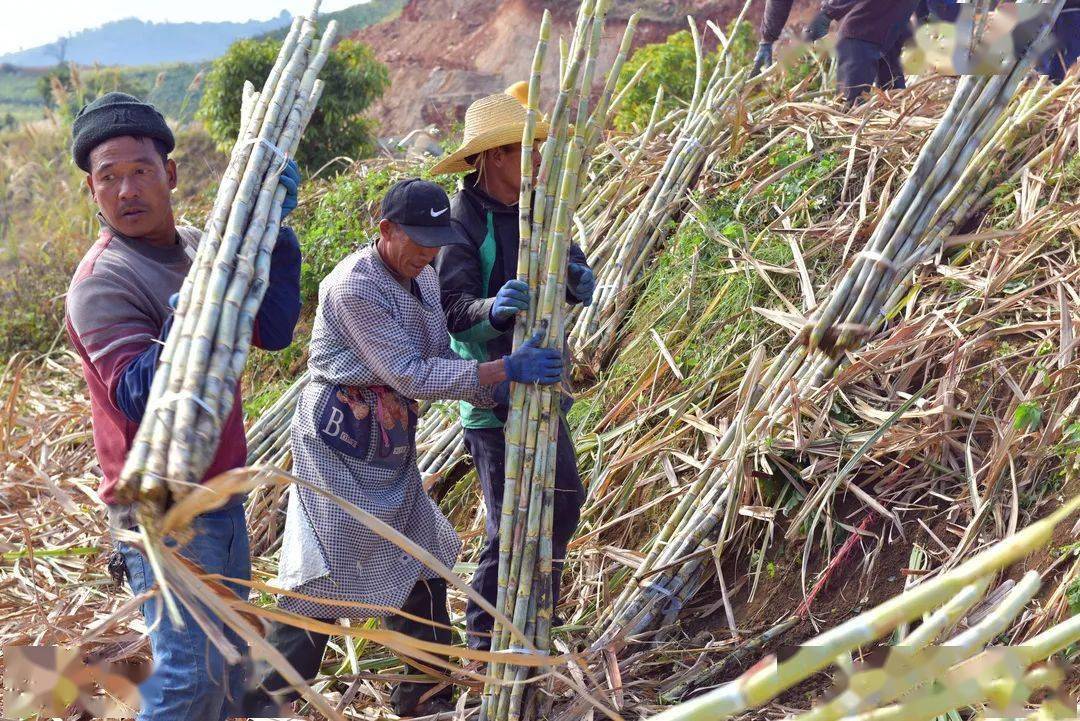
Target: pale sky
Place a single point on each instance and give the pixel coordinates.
(29, 23)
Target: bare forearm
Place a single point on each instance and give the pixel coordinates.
(492, 372)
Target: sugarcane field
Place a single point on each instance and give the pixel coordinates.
(541, 360)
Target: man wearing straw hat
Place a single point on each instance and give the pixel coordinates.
(378, 345)
(482, 297)
(119, 312)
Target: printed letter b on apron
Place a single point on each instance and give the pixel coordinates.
(371, 424)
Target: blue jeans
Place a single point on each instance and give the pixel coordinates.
(190, 680)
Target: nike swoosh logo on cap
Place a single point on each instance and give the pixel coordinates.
(436, 215)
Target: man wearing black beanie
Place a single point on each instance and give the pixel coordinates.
(119, 312)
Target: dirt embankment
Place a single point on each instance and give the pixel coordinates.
(443, 54)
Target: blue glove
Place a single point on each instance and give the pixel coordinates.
(581, 282)
(290, 178)
(532, 364)
(511, 299)
(818, 27)
(763, 59)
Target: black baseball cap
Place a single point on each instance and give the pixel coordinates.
(422, 209)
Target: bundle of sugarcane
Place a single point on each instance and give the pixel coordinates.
(949, 177)
(194, 389)
(632, 238)
(532, 427)
(919, 681)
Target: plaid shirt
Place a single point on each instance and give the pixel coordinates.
(369, 332)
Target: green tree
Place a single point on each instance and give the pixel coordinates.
(354, 79)
(671, 64)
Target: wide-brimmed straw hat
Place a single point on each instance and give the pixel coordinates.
(490, 122)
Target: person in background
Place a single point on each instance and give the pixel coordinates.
(1055, 62)
(119, 312)
(482, 298)
(379, 344)
(871, 38)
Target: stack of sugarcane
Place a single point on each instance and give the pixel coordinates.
(268, 446)
(532, 427)
(948, 178)
(631, 239)
(920, 680)
(194, 389)
(439, 443)
(268, 437)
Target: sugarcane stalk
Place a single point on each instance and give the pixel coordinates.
(765, 682)
(198, 368)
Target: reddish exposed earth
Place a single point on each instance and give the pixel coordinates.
(443, 54)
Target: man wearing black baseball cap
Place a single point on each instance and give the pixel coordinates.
(379, 344)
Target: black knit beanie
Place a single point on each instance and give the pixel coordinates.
(114, 115)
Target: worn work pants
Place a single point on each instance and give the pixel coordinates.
(487, 446)
(190, 680)
(304, 650)
(861, 64)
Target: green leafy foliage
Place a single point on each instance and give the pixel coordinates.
(66, 89)
(811, 176)
(354, 80)
(19, 95)
(174, 88)
(671, 64)
(1028, 416)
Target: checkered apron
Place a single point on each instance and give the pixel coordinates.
(375, 349)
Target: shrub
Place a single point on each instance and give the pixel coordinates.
(671, 64)
(354, 80)
(66, 89)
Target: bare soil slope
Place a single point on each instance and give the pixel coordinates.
(443, 54)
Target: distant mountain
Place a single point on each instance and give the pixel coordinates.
(137, 42)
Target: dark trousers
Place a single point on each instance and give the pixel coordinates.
(861, 64)
(304, 650)
(487, 446)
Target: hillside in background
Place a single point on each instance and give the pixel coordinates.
(353, 18)
(137, 42)
(169, 85)
(443, 54)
